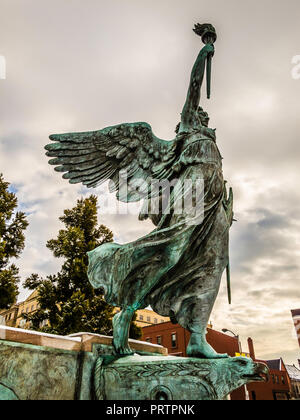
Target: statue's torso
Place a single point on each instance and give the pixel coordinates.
(199, 160)
(199, 146)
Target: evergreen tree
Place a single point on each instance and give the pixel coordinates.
(12, 227)
(67, 300)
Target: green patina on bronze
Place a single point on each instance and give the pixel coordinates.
(174, 378)
(30, 372)
(177, 268)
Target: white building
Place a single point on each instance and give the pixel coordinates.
(294, 374)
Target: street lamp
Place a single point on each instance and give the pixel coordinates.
(225, 330)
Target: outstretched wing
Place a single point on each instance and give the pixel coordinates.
(127, 154)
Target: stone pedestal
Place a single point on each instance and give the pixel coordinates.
(35, 366)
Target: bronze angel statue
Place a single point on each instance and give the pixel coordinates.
(177, 268)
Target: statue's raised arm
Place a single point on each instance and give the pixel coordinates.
(189, 116)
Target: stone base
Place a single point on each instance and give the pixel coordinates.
(35, 366)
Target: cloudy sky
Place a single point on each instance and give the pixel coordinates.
(75, 65)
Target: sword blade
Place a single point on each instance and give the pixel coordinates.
(208, 76)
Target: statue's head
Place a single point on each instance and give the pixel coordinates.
(203, 116)
(242, 371)
(200, 116)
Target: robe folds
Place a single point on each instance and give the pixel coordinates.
(184, 257)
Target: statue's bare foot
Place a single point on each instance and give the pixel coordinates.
(199, 347)
(121, 324)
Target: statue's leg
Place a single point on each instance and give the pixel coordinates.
(195, 309)
(204, 290)
(198, 345)
(121, 325)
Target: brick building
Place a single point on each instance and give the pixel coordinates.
(279, 385)
(277, 388)
(296, 319)
(175, 339)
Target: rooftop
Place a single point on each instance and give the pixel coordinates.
(294, 372)
(274, 364)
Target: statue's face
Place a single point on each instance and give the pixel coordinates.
(204, 118)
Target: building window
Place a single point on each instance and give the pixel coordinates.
(253, 393)
(174, 340)
(148, 319)
(277, 379)
(32, 308)
(161, 321)
(149, 340)
(159, 340)
(282, 380)
(273, 379)
(141, 318)
(44, 323)
(155, 320)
